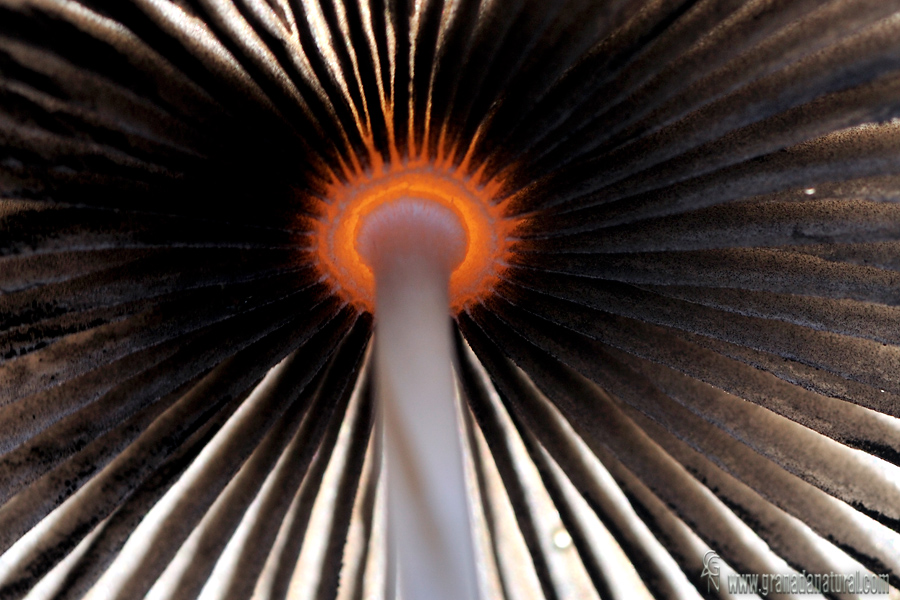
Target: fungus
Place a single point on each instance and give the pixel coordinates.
(657, 242)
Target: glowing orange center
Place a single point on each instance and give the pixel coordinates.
(486, 231)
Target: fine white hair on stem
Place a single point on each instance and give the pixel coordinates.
(412, 246)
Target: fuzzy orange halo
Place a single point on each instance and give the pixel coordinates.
(348, 203)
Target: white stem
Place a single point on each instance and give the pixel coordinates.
(412, 248)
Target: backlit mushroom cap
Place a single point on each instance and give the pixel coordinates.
(676, 317)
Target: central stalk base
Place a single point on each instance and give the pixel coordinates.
(412, 247)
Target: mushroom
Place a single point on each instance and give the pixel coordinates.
(631, 269)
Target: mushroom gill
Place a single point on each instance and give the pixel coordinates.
(675, 319)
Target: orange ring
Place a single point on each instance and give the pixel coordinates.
(486, 229)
